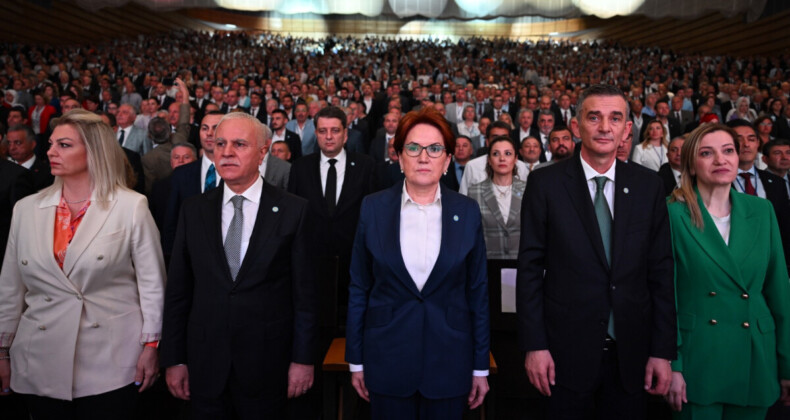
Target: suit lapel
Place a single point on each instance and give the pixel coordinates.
(742, 218)
(712, 244)
(623, 204)
(211, 213)
(91, 223)
(493, 207)
(348, 179)
(515, 204)
(265, 222)
(389, 242)
(45, 225)
(318, 190)
(579, 193)
(453, 221)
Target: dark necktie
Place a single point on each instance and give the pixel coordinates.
(120, 139)
(565, 116)
(211, 179)
(330, 193)
(461, 167)
(479, 109)
(233, 239)
(604, 216)
(748, 186)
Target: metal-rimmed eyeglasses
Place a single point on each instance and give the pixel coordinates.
(414, 150)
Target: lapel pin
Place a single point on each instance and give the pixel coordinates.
(352, 163)
(625, 190)
(275, 209)
(455, 218)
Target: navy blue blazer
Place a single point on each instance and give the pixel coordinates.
(409, 340)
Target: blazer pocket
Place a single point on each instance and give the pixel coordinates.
(125, 331)
(687, 322)
(110, 238)
(459, 319)
(378, 316)
(766, 324)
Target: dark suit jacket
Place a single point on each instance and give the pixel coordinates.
(255, 325)
(387, 175)
(137, 166)
(665, 172)
(184, 183)
(16, 182)
(364, 129)
(566, 309)
(776, 193)
(334, 233)
(378, 147)
(42, 174)
(157, 203)
(410, 340)
(354, 142)
(294, 144)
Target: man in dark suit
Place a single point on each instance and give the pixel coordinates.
(764, 184)
(15, 183)
(671, 124)
(256, 110)
(378, 147)
(335, 213)
(782, 125)
(21, 148)
(360, 122)
(191, 179)
(670, 171)
(180, 154)
(280, 133)
(239, 330)
(595, 296)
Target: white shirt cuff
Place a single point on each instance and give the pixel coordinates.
(480, 372)
(355, 368)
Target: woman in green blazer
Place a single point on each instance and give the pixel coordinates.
(733, 293)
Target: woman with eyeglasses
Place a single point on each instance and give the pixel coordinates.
(764, 126)
(499, 197)
(417, 337)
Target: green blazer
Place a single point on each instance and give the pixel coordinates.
(733, 305)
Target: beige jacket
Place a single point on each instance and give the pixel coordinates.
(77, 332)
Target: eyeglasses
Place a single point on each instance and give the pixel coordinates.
(764, 124)
(415, 150)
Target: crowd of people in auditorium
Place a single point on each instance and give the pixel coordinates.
(200, 118)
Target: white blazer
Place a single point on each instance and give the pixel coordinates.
(78, 330)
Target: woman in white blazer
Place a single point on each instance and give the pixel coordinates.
(82, 283)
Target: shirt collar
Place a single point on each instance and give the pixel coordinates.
(406, 199)
(590, 173)
(253, 193)
(341, 158)
(751, 171)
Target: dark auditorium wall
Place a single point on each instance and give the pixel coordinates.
(64, 22)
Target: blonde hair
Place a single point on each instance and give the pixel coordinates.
(107, 163)
(646, 141)
(685, 193)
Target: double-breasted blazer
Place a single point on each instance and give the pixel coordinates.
(733, 305)
(79, 329)
(411, 340)
(501, 238)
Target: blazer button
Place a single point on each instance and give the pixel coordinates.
(100, 257)
(42, 327)
(79, 297)
(745, 325)
(712, 294)
(713, 322)
(745, 296)
(24, 262)
(47, 299)
(95, 325)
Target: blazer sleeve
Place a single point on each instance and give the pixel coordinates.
(359, 288)
(660, 280)
(149, 268)
(776, 291)
(178, 300)
(477, 292)
(304, 292)
(12, 290)
(531, 259)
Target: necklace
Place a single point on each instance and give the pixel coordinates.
(502, 192)
(75, 202)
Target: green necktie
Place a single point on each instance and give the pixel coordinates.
(604, 216)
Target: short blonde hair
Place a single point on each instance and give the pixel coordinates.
(107, 162)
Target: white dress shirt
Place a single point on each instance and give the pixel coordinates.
(278, 137)
(475, 171)
(544, 141)
(205, 163)
(740, 183)
(340, 168)
(26, 164)
(420, 235)
(262, 167)
(126, 131)
(252, 200)
(608, 188)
